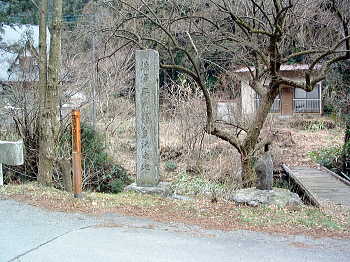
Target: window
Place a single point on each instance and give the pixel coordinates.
(276, 106)
(307, 102)
(302, 94)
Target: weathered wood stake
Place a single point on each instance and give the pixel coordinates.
(76, 153)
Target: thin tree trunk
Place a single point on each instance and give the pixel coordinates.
(49, 115)
(43, 164)
(66, 170)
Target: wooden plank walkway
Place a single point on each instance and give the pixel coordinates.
(321, 185)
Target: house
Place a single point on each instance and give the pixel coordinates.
(18, 53)
(19, 69)
(290, 101)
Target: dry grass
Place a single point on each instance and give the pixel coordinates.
(308, 141)
(183, 142)
(185, 145)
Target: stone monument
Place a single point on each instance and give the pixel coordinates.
(147, 117)
(11, 153)
(147, 125)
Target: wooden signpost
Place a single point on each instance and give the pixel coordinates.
(76, 153)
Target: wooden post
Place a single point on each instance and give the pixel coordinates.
(76, 153)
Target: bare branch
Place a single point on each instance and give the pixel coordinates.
(194, 46)
(181, 69)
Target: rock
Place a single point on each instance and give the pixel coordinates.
(163, 188)
(276, 197)
(264, 172)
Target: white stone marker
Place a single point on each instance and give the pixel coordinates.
(147, 118)
(11, 153)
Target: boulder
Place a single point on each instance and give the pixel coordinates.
(276, 197)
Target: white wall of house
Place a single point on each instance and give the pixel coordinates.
(225, 111)
(248, 98)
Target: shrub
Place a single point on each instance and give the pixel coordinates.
(312, 124)
(170, 165)
(117, 186)
(328, 109)
(328, 157)
(100, 173)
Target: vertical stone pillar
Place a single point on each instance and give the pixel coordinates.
(147, 117)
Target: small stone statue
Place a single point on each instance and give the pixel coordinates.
(264, 171)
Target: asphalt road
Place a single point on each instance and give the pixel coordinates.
(33, 234)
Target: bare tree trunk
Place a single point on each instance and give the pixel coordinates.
(248, 173)
(43, 47)
(49, 113)
(42, 166)
(252, 138)
(66, 169)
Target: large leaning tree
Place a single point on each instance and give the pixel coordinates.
(194, 37)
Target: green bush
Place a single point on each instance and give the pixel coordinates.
(328, 157)
(117, 186)
(113, 179)
(100, 173)
(170, 165)
(328, 109)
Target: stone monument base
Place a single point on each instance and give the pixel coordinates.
(163, 188)
(276, 197)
